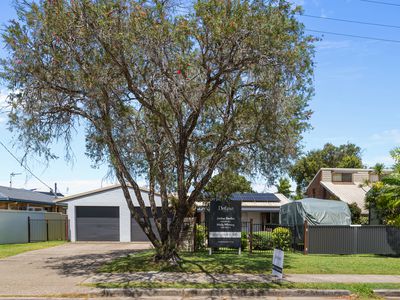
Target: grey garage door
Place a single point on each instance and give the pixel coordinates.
(97, 223)
(137, 234)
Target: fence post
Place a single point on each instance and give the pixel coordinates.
(47, 230)
(29, 229)
(194, 236)
(251, 237)
(306, 237)
(66, 221)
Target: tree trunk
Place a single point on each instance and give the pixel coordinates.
(168, 252)
(169, 248)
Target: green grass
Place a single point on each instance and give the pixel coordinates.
(361, 290)
(258, 263)
(7, 250)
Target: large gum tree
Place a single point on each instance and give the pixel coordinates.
(163, 90)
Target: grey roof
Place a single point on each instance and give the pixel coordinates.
(27, 196)
(259, 197)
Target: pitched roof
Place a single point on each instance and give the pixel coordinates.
(27, 196)
(96, 191)
(348, 193)
(345, 170)
(256, 199)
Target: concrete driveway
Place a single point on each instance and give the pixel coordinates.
(58, 270)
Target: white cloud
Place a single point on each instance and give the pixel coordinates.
(3, 105)
(298, 2)
(328, 45)
(3, 97)
(387, 136)
(387, 160)
(261, 187)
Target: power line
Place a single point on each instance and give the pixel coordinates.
(355, 36)
(350, 21)
(381, 2)
(25, 167)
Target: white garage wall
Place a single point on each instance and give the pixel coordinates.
(112, 197)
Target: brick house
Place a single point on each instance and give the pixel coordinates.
(348, 185)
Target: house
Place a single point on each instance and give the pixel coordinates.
(262, 208)
(348, 185)
(103, 215)
(21, 199)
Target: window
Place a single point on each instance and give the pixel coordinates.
(347, 177)
(342, 177)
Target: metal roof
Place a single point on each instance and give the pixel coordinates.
(348, 193)
(258, 197)
(100, 190)
(26, 196)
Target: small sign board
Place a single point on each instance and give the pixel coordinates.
(277, 263)
(225, 224)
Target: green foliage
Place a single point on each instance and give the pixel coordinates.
(330, 156)
(355, 213)
(384, 196)
(282, 238)
(395, 153)
(378, 169)
(364, 220)
(224, 184)
(283, 187)
(244, 241)
(262, 241)
(200, 237)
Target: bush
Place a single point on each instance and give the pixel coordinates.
(355, 213)
(262, 241)
(282, 238)
(364, 220)
(200, 237)
(244, 242)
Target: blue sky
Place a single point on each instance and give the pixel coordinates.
(356, 95)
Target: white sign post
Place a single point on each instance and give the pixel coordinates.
(277, 263)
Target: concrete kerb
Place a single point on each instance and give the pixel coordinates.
(387, 293)
(127, 292)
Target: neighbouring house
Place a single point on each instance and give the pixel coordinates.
(21, 199)
(348, 185)
(103, 215)
(262, 208)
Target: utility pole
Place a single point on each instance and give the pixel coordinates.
(12, 174)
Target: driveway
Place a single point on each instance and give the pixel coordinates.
(58, 270)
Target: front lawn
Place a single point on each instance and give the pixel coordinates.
(229, 263)
(14, 249)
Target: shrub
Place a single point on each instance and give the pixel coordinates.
(244, 242)
(262, 241)
(200, 237)
(282, 238)
(364, 220)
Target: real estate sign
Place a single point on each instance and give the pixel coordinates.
(277, 263)
(225, 224)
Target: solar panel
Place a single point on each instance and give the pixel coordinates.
(258, 197)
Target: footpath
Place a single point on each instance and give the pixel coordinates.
(175, 277)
